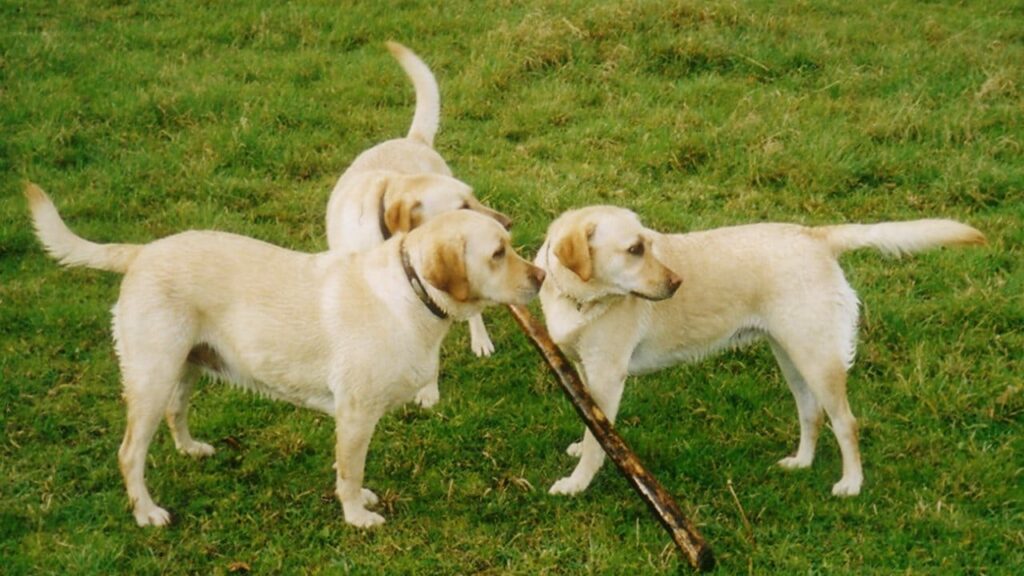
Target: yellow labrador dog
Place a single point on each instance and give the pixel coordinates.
(611, 304)
(350, 335)
(401, 183)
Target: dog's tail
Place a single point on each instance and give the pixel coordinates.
(69, 248)
(428, 97)
(899, 238)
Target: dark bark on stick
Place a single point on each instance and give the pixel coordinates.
(683, 533)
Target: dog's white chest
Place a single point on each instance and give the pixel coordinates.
(564, 322)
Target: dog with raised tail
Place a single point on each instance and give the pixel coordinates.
(401, 183)
(350, 335)
(622, 299)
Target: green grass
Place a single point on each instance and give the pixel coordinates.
(142, 119)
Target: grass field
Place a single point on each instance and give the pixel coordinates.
(142, 119)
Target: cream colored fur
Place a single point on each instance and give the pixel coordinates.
(416, 185)
(779, 282)
(342, 334)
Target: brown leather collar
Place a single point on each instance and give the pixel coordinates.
(384, 231)
(417, 284)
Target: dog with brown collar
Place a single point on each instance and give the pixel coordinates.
(350, 335)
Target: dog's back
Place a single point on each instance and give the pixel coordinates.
(399, 155)
(742, 282)
(736, 281)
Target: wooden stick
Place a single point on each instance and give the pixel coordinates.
(685, 535)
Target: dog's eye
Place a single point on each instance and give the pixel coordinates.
(499, 253)
(465, 206)
(637, 249)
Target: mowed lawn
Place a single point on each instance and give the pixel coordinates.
(144, 119)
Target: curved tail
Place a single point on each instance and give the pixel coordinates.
(428, 97)
(69, 248)
(899, 238)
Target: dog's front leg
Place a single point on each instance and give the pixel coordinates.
(429, 395)
(605, 380)
(354, 429)
(479, 339)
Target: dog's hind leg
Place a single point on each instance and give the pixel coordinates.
(153, 341)
(807, 406)
(177, 416)
(824, 372)
(147, 396)
(814, 335)
(831, 393)
(833, 397)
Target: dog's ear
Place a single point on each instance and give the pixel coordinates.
(573, 251)
(446, 271)
(403, 215)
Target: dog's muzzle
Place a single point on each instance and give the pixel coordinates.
(671, 286)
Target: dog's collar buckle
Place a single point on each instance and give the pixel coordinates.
(415, 282)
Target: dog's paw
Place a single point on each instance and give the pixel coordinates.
(479, 339)
(481, 345)
(847, 487)
(152, 516)
(428, 396)
(197, 450)
(567, 486)
(794, 463)
(369, 498)
(363, 518)
(575, 449)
